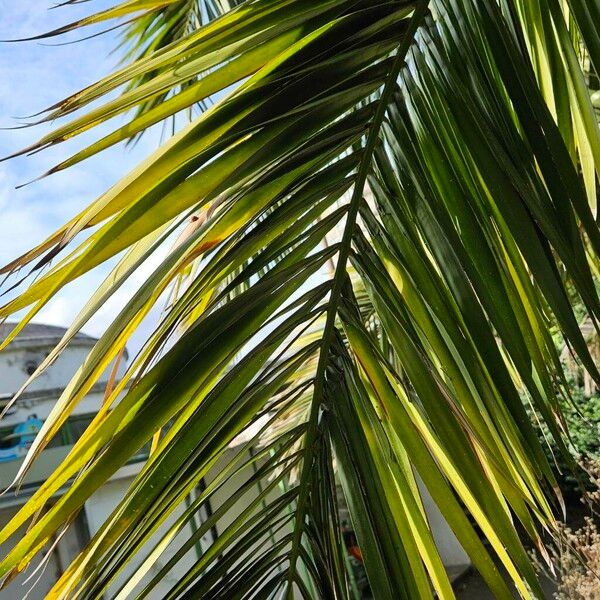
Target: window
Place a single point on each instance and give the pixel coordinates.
(77, 425)
(31, 366)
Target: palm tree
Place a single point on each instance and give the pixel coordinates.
(378, 211)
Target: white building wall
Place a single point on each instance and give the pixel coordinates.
(99, 507)
(14, 365)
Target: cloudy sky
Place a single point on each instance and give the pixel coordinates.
(34, 75)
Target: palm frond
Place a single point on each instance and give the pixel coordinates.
(429, 152)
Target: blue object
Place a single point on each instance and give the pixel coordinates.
(24, 434)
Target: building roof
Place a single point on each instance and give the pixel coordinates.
(39, 332)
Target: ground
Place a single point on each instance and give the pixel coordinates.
(472, 587)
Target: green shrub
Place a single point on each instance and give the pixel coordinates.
(583, 420)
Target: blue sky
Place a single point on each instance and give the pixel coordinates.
(34, 75)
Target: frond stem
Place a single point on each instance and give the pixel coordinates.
(339, 277)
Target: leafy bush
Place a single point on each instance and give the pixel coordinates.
(583, 420)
